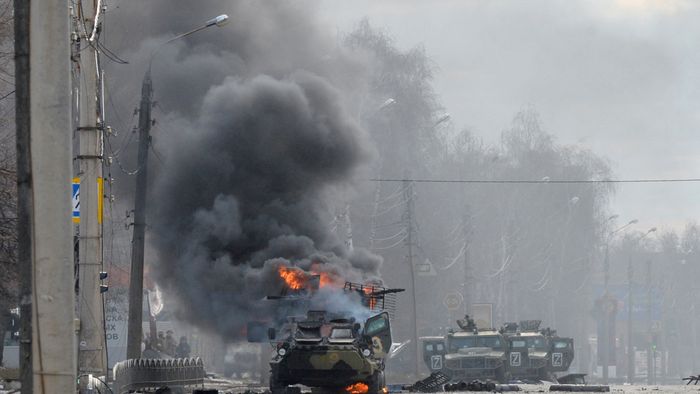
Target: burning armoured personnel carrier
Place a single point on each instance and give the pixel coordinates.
(334, 350)
(331, 352)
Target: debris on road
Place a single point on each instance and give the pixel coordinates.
(432, 384)
(581, 388)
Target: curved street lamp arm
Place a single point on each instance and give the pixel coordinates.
(218, 21)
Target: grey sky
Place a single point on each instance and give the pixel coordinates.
(621, 78)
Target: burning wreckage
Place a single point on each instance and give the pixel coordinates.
(326, 335)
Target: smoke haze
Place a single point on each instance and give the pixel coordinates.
(264, 127)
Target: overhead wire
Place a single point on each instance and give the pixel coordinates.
(110, 55)
(402, 232)
(400, 190)
(397, 243)
(542, 181)
(7, 82)
(503, 267)
(459, 255)
(156, 154)
(391, 208)
(7, 95)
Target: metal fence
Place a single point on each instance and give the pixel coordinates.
(135, 374)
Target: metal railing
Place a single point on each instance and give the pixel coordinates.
(140, 373)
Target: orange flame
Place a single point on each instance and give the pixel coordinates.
(297, 279)
(294, 277)
(357, 388)
(371, 301)
(330, 279)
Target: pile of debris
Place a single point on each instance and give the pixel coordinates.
(478, 385)
(438, 382)
(581, 388)
(432, 384)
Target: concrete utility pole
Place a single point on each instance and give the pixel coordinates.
(469, 282)
(92, 355)
(630, 302)
(44, 161)
(630, 344)
(408, 219)
(133, 347)
(650, 356)
(608, 315)
(606, 318)
(348, 229)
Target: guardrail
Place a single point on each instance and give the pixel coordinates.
(140, 373)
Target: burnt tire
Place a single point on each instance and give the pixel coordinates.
(544, 375)
(276, 387)
(500, 374)
(377, 383)
(293, 390)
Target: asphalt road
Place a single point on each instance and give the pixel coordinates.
(240, 387)
(526, 388)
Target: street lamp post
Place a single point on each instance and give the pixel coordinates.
(630, 345)
(134, 337)
(606, 314)
(442, 119)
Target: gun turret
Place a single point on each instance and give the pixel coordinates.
(466, 324)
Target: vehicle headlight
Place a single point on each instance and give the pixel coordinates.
(281, 351)
(366, 352)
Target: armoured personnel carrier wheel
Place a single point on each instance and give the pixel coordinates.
(378, 383)
(276, 387)
(285, 390)
(501, 375)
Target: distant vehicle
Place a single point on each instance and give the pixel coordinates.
(518, 351)
(528, 355)
(468, 354)
(536, 354)
(561, 351)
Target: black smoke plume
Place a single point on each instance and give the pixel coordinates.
(249, 187)
(257, 150)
